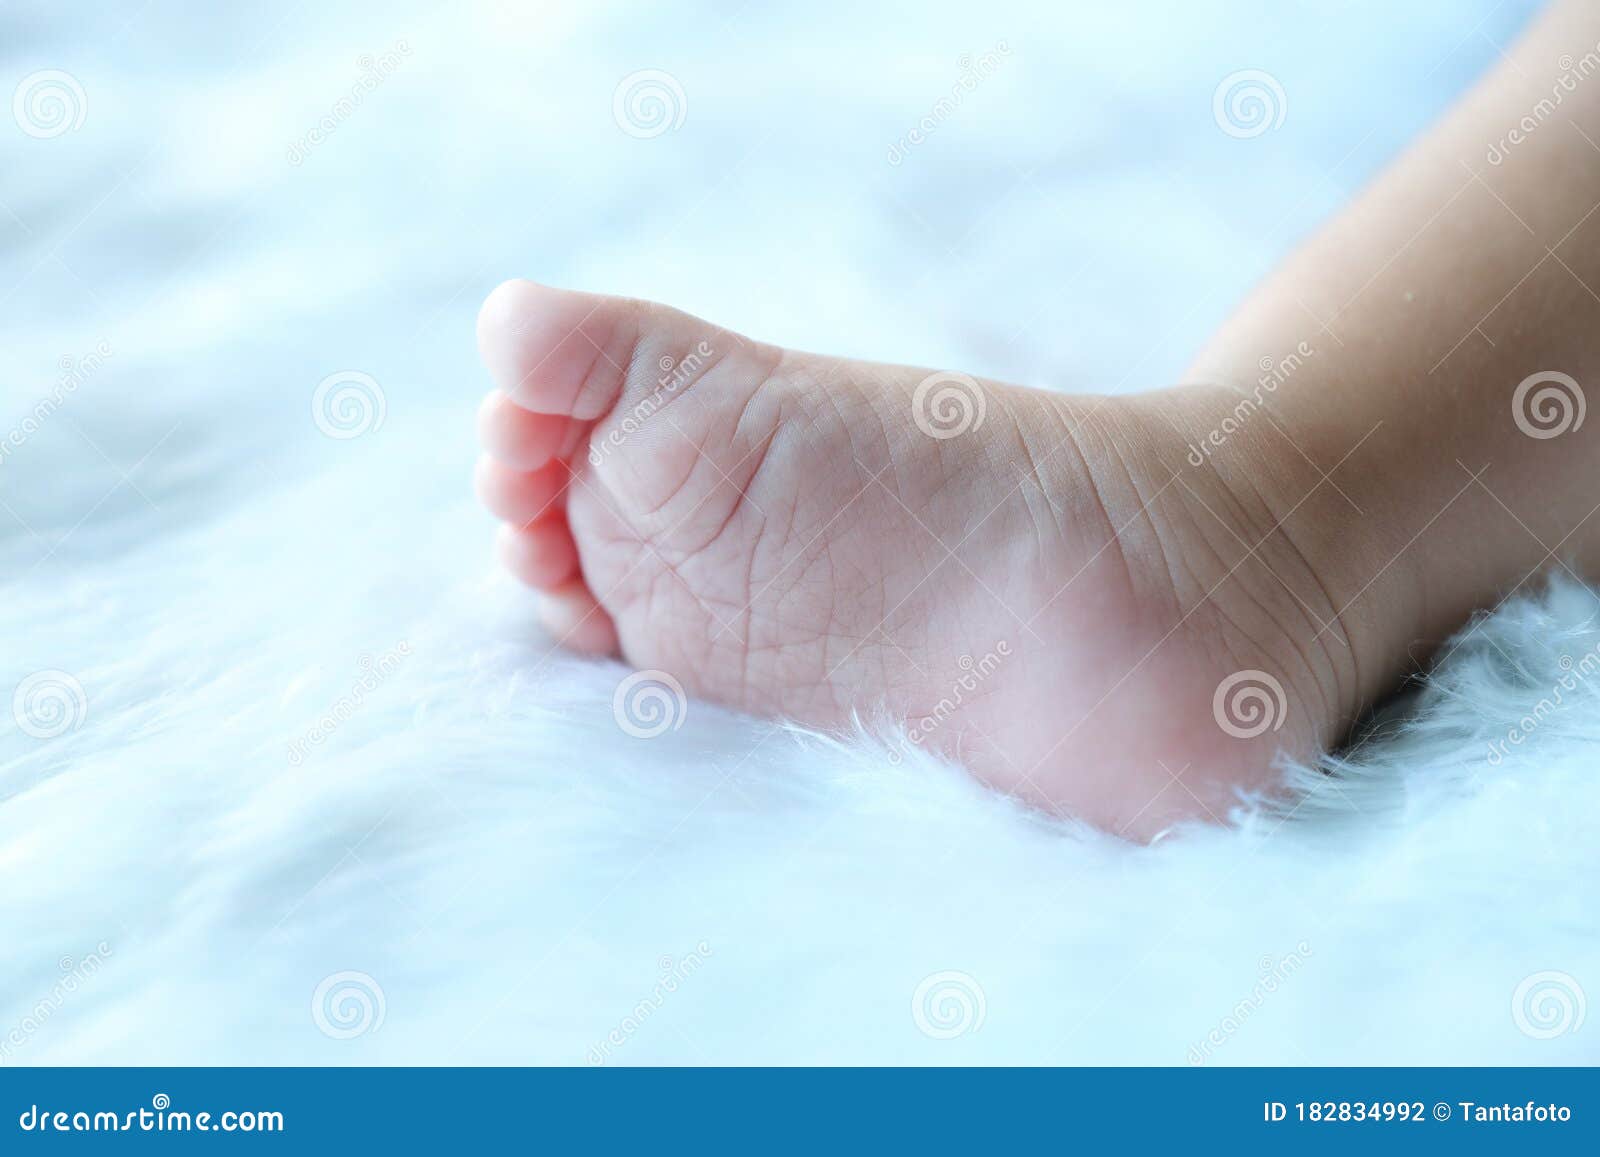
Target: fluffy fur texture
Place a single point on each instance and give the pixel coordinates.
(518, 878)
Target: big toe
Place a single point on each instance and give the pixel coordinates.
(556, 351)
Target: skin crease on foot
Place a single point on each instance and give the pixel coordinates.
(1122, 609)
(799, 536)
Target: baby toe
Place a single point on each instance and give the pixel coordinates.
(577, 621)
(542, 555)
(520, 497)
(520, 438)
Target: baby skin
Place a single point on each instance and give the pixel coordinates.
(1128, 610)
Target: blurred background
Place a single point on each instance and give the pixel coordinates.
(241, 249)
(1079, 220)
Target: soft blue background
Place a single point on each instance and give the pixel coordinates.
(1080, 222)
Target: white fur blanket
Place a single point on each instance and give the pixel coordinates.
(293, 777)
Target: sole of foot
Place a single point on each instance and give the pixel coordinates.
(1044, 587)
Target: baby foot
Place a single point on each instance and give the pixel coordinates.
(1046, 587)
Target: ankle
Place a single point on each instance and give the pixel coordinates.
(1304, 547)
